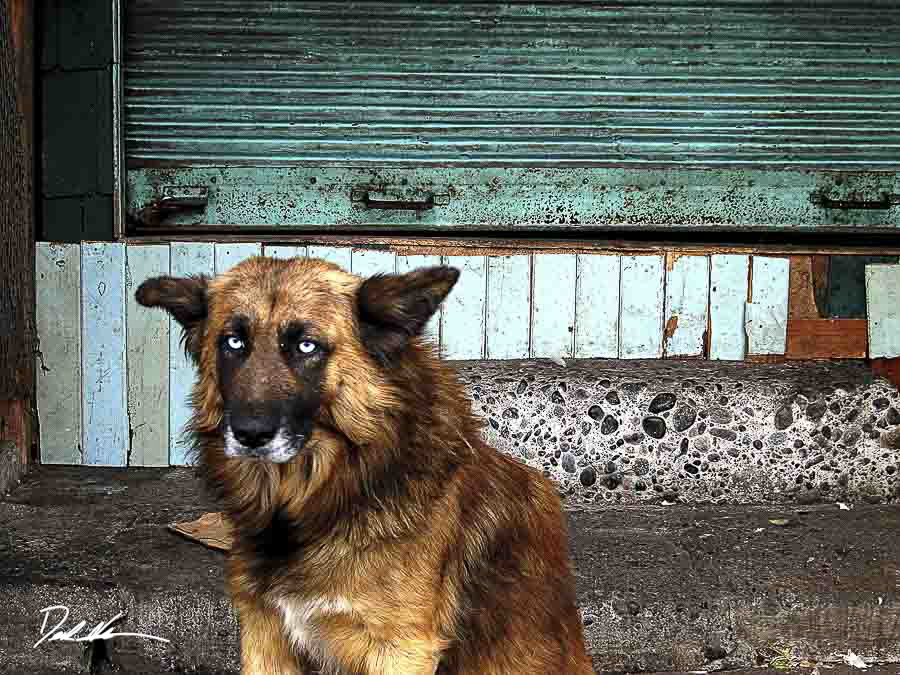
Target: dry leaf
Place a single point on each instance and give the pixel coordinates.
(211, 529)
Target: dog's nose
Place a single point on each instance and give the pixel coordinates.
(253, 432)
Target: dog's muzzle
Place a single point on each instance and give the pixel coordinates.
(264, 437)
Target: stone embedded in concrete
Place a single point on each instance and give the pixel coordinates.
(709, 431)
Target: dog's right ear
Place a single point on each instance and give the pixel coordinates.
(185, 298)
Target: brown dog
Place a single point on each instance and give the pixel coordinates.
(375, 532)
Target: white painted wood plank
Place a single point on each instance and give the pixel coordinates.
(103, 367)
(147, 342)
(339, 255)
(408, 263)
(366, 262)
(597, 281)
(462, 321)
(642, 300)
(687, 306)
(553, 305)
(284, 252)
(765, 321)
(229, 255)
(883, 310)
(58, 367)
(186, 259)
(727, 302)
(508, 306)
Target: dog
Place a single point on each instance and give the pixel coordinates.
(375, 531)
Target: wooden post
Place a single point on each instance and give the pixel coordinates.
(16, 239)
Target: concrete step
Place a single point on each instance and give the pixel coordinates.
(662, 588)
(645, 432)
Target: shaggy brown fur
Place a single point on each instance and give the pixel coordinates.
(383, 536)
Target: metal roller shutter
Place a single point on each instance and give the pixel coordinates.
(454, 116)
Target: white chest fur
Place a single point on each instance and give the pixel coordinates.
(301, 617)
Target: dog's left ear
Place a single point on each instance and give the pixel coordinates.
(395, 307)
(185, 299)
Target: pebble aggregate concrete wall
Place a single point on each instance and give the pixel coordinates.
(629, 432)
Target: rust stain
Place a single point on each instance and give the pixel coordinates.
(821, 268)
(802, 297)
(889, 369)
(17, 13)
(765, 358)
(673, 256)
(671, 326)
(749, 282)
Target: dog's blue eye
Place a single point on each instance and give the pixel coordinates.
(307, 347)
(234, 343)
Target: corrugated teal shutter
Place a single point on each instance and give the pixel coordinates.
(715, 114)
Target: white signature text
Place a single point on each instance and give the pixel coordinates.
(102, 631)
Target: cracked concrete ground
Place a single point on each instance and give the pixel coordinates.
(662, 588)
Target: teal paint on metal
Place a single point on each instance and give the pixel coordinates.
(713, 98)
(642, 305)
(185, 259)
(103, 364)
(846, 288)
(516, 198)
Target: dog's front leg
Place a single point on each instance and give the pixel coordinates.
(265, 649)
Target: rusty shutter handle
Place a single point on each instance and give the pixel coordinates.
(365, 198)
(174, 201)
(885, 201)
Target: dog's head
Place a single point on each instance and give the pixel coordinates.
(286, 346)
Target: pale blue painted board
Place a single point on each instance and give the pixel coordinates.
(147, 340)
(687, 306)
(642, 303)
(462, 321)
(728, 287)
(553, 305)
(766, 316)
(366, 262)
(229, 255)
(408, 263)
(339, 255)
(186, 258)
(508, 306)
(103, 365)
(58, 366)
(597, 281)
(284, 252)
(883, 310)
